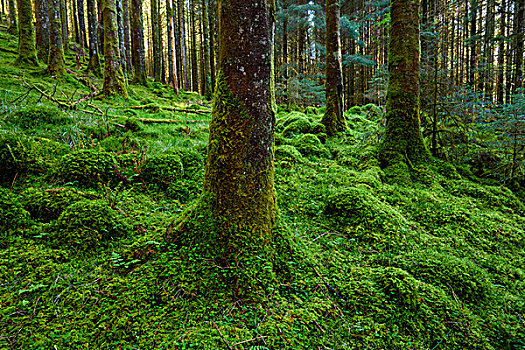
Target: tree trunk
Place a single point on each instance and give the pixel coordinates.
(285, 53)
(500, 88)
(138, 43)
(74, 14)
(26, 34)
(519, 37)
(155, 29)
(55, 63)
(65, 29)
(206, 88)
(402, 141)
(94, 59)
(81, 23)
(114, 82)
(13, 25)
(172, 51)
(333, 119)
(42, 29)
(120, 31)
(234, 219)
(193, 51)
(211, 36)
(127, 43)
(182, 24)
(100, 27)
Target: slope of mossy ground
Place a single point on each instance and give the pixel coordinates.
(416, 258)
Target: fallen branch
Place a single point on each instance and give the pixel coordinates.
(249, 340)
(224, 340)
(83, 81)
(167, 108)
(147, 120)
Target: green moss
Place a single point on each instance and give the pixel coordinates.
(162, 169)
(47, 204)
(88, 167)
(296, 127)
(285, 119)
(38, 115)
(309, 144)
(287, 153)
(355, 110)
(121, 144)
(88, 224)
(13, 216)
(373, 112)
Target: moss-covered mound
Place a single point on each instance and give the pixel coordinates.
(88, 224)
(162, 169)
(38, 115)
(13, 216)
(47, 204)
(88, 167)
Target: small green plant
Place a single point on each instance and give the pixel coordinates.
(87, 167)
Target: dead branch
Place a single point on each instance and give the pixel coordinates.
(168, 108)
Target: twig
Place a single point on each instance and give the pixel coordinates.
(249, 340)
(328, 285)
(224, 340)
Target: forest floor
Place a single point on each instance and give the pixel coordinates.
(423, 258)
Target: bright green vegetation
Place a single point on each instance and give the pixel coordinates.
(425, 258)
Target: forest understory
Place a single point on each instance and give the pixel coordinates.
(415, 257)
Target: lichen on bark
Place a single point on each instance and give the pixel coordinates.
(26, 34)
(402, 141)
(114, 80)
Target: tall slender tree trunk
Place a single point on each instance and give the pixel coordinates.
(402, 141)
(74, 16)
(55, 63)
(333, 119)
(65, 29)
(193, 51)
(155, 31)
(94, 59)
(211, 36)
(127, 43)
(473, 43)
(100, 27)
(114, 81)
(82, 23)
(182, 21)
(138, 43)
(26, 34)
(285, 54)
(500, 88)
(172, 50)
(206, 88)
(519, 38)
(13, 25)
(42, 29)
(121, 46)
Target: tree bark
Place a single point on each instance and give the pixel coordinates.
(333, 120)
(193, 51)
(42, 29)
(26, 34)
(82, 23)
(94, 59)
(65, 29)
(206, 88)
(519, 37)
(13, 25)
(114, 82)
(127, 43)
(234, 219)
(155, 31)
(138, 43)
(402, 141)
(181, 19)
(55, 63)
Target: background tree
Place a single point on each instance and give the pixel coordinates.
(333, 119)
(114, 82)
(26, 34)
(402, 141)
(138, 43)
(42, 29)
(13, 26)
(94, 59)
(55, 63)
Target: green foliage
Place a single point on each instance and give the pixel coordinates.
(38, 116)
(162, 169)
(87, 224)
(47, 204)
(13, 216)
(287, 153)
(87, 167)
(309, 144)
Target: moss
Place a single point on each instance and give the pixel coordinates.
(309, 144)
(47, 204)
(26, 34)
(355, 110)
(88, 167)
(372, 112)
(13, 216)
(287, 153)
(286, 119)
(162, 169)
(88, 224)
(121, 144)
(133, 125)
(38, 115)
(398, 173)
(299, 126)
(318, 128)
(460, 277)
(400, 286)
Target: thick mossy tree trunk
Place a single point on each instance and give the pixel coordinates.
(55, 62)
(13, 25)
(156, 36)
(42, 28)
(402, 141)
(234, 220)
(81, 23)
(138, 43)
(333, 120)
(26, 34)
(94, 59)
(114, 82)
(65, 28)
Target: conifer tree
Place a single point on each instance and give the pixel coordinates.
(402, 141)
(26, 34)
(94, 59)
(42, 28)
(114, 82)
(333, 119)
(13, 25)
(138, 42)
(55, 62)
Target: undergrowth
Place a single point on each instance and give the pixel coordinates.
(366, 258)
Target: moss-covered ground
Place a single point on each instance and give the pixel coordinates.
(412, 258)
